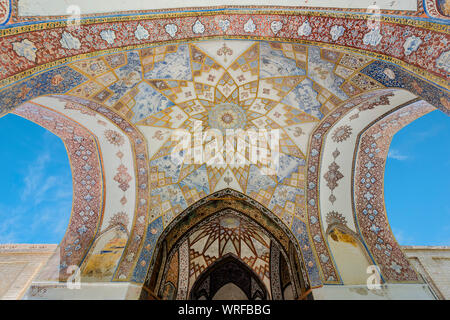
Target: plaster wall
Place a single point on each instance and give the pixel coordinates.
(19, 264)
(433, 264)
(386, 292)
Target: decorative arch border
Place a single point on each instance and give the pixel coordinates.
(328, 270)
(372, 147)
(275, 283)
(87, 204)
(432, 9)
(280, 249)
(185, 222)
(140, 153)
(324, 257)
(33, 48)
(183, 240)
(5, 11)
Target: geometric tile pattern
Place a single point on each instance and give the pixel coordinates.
(229, 234)
(270, 85)
(247, 93)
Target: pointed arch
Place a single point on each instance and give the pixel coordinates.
(228, 269)
(222, 204)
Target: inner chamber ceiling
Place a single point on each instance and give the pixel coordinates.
(117, 111)
(206, 246)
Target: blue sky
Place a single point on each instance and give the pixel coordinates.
(36, 183)
(417, 182)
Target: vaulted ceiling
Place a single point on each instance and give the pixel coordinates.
(319, 77)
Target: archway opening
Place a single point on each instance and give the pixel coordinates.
(35, 183)
(416, 181)
(224, 246)
(228, 279)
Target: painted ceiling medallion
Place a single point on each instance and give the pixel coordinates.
(226, 116)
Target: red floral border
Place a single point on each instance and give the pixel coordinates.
(87, 205)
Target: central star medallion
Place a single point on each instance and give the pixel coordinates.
(225, 116)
